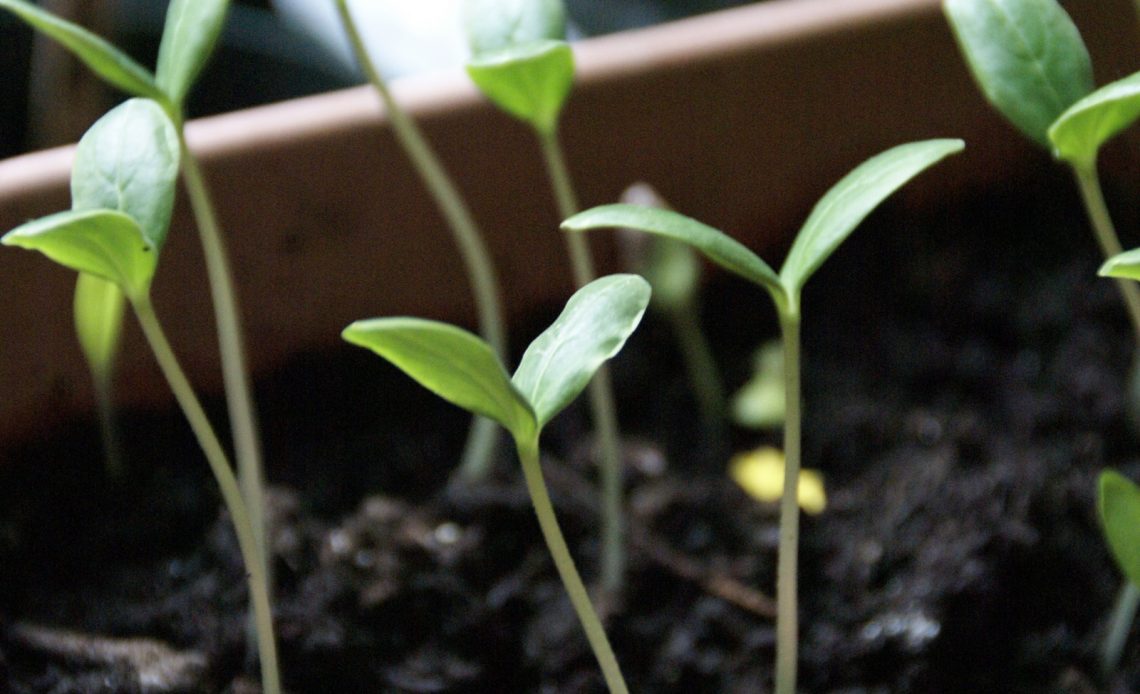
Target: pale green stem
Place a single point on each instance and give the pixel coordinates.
(787, 618)
(560, 553)
(227, 483)
(484, 434)
(1089, 184)
(1119, 624)
(701, 367)
(108, 426)
(235, 372)
(600, 389)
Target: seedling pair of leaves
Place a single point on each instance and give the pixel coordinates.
(832, 220)
(464, 370)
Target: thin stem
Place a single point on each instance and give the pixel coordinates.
(1089, 184)
(581, 260)
(601, 388)
(787, 618)
(227, 482)
(701, 365)
(556, 543)
(235, 372)
(1119, 624)
(477, 259)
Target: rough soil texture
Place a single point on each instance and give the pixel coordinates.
(963, 386)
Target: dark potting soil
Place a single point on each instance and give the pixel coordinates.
(963, 385)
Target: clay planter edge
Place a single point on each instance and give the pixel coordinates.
(741, 118)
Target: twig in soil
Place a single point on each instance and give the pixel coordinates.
(659, 551)
(157, 666)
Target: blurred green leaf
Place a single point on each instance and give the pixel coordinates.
(529, 81)
(191, 31)
(1079, 132)
(493, 25)
(1124, 265)
(593, 327)
(106, 61)
(1026, 56)
(98, 311)
(1119, 504)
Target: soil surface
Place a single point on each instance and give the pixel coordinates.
(963, 379)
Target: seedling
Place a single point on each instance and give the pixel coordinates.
(481, 440)
(1029, 60)
(522, 64)
(464, 370)
(122, 188)
(832, 220)
(191, 31)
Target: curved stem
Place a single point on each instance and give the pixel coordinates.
(235, 372)
(227, 483)
(600, 388)
(787, 618)
(477, 259)
(1093, 198)
(556, 543)
(1119, 624)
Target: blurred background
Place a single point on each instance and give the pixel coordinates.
(271, 50)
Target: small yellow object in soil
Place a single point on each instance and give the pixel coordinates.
(760, 473)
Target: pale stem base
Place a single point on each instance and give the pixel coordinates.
(231, 493)
(556, 543)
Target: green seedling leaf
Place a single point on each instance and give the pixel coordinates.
(493, 25)
(104, 243)
(1079, 132)
(192, 28)
(1026, 56)
(530, 81)
(99, 307)
(106, 61)
(592, 328)
(838, 212)
(450, 362)
(1124, 265)
(128, 161)
(1118, 501)
(719, 247)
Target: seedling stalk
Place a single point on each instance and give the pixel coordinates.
(483, 436)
